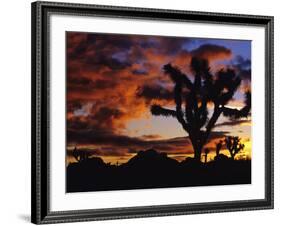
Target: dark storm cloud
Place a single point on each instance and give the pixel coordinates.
(96, 51)
(106, 113)
(102, 137)
(73, 105)
(172, 45)
(243, 67)
(119, 142)
(78, 82)
(86, 84)
(243, 63)
(210, 51)
(132, 151)
(104, 84)
(101, 60)
(79, 43)
(166, 45)
(218, 134)
(151, 137)
(150, 92)
(99, 121)
(139, 72)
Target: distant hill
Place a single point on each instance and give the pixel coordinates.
(151, 159)
(153, 169)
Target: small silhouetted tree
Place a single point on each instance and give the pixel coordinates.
(218, 147)
(192, 98)
(80, 155)
(207, 151)
(234, 145)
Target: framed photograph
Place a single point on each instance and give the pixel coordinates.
(141, 112)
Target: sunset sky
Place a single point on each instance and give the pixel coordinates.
(113, 79)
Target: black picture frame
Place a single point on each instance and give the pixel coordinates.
(40, 212)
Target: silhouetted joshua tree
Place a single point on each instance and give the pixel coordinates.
(80, 155)
(194, 97)
(218, 147)
(207, 151)
(233, 145)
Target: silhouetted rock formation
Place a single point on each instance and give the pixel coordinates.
(152, 169)
(151, 158)
(221, 157)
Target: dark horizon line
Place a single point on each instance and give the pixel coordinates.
(248, 158)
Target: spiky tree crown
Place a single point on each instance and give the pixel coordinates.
(234, 145)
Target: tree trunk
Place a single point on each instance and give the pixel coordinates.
(197, 150)
(206, 156)
(197, 155)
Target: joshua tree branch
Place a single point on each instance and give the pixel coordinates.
(158, 110)
(212, 121)
(230, 112)
(177, 76)
(178, 100)
(235, 113)
(243, 112)
(203, 112)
